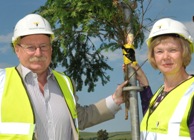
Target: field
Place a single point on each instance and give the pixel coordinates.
(112, 136)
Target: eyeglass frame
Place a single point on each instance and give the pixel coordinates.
(33, 48)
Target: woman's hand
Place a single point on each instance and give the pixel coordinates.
(140, 75)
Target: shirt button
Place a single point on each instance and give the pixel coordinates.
(50, 122)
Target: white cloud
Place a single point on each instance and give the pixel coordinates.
(6, 38)
(5, 41)
(141, 54)
(4, 49)
(190, 26)
(5, 65)
(113, 56)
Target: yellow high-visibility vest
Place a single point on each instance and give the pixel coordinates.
(169, 119)
(16, 113)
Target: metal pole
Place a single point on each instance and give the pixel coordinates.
(132, 94)
(132, 90)
(134, 110)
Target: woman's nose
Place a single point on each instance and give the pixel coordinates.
(166, 54)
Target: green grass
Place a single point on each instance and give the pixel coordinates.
(112, 135)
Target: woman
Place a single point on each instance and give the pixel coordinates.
(169, 114)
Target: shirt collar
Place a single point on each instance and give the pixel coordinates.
(25, 71)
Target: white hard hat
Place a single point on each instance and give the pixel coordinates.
(32, 24)
(170, 26)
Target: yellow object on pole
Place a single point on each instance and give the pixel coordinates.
(128, 50)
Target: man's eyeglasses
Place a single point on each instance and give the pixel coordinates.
(32, 48)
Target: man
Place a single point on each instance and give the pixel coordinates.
(37, 102)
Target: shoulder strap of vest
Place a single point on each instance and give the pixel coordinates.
(67, 89)
(19, 71)
(14, 80)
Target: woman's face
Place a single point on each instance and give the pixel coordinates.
(168, 56)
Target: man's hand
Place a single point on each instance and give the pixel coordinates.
(118, 94)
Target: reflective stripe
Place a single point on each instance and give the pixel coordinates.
(174, 125)
(158, 136)
(68, 84)
(2, 81)
(16, 128)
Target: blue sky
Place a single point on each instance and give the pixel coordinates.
(11, 12)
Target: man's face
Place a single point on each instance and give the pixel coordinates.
(34, 52)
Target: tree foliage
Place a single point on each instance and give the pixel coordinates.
(102, 135)
(83, 28)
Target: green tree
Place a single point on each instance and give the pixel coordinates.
(102, 135)
(83, 28)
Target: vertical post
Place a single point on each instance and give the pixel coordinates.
(134, 110)
(131, 97)
(132, 94)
